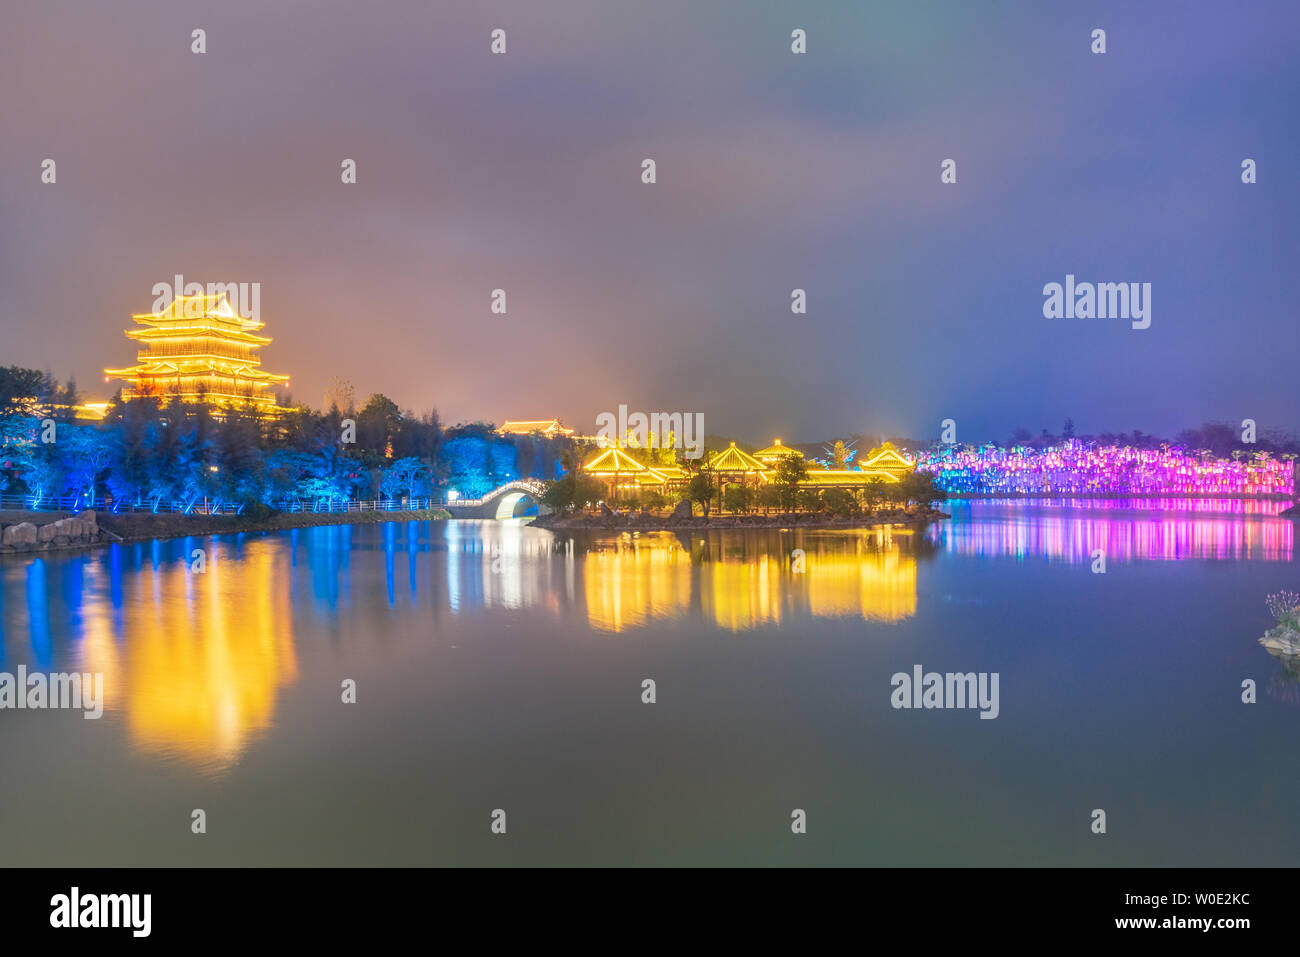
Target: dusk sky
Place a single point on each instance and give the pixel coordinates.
(775, 171)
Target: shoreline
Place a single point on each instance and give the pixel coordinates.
(1122, 496)
(110, 529)
(614, 521)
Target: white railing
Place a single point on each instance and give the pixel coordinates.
(72, 503)
(528, 486)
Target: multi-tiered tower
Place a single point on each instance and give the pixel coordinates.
(199, 349)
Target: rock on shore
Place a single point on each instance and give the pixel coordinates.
(73, 530)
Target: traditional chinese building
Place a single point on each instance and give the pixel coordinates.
(774, 453)
(734, 465)
(200, 350)
(550, 428)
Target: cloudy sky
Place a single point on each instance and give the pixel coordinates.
(775, 171)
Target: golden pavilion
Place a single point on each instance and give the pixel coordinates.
(733, 465)
(200, 350)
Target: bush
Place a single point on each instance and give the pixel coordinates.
(651, 498)
(700, 490)
(258, 511)
(809, 499)
(737, 498)
(839, 501)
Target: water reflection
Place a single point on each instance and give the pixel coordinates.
(1070, 530)
(194, 663)
(743, 580)
(1284, 684)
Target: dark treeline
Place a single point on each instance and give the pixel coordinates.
(29, 390)
(152, 450)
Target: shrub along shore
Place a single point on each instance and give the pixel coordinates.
(684, 517)
(26, 532)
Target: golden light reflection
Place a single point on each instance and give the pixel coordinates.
(203, 660)
(744, 582)
(635, 580)
(878, 581)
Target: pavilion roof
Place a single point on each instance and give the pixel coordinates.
(888, 459)
(733, 459)
(529, 426)
(611, 460)
(776, 450)
(818, 477)
(670, 471)
(660, 475)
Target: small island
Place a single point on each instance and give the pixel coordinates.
(773, 488)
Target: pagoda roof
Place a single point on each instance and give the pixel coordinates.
(194, 307)
(197, 328)
(145, 358)
(165, 367)
(185, 309)
(611, 460)
(733, 459)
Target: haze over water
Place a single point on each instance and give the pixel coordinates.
(500, 666)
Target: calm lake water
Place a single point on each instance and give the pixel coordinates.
(499, 666)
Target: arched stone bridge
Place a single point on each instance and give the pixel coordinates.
(501, 502)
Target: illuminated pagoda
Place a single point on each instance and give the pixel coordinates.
(200, 350)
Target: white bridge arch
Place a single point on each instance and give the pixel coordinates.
(500, 503)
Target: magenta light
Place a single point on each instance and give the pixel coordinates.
(1076, 468)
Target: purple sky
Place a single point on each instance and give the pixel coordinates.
(819, 171)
